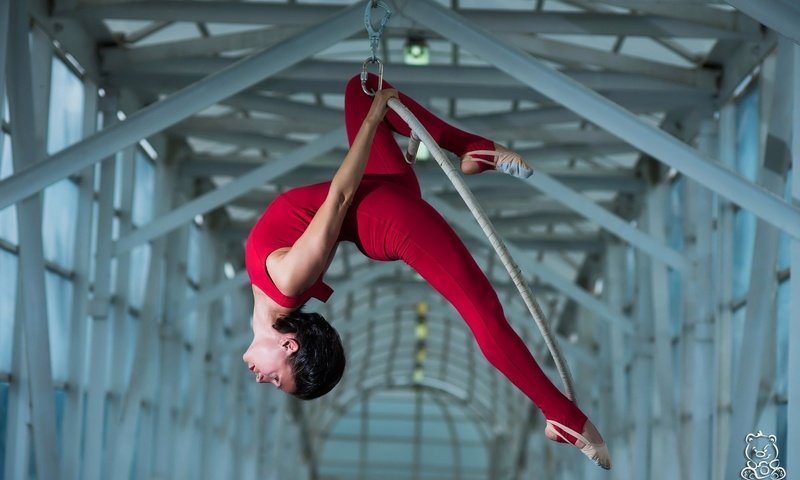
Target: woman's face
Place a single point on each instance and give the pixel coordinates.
(267, 357)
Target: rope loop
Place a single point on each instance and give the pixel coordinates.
(375, 35)
(365, 73)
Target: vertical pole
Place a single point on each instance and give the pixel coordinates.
(100, 311)
(665, 455)
(723, 331)
(5, 11)
(699, 313)
(793, 407)
(614, 284)
(17, 453)
(760, 307)
(74, 395)
(118, 338)
(28, 107)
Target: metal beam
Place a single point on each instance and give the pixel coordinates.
(179, 106)
(576, 23)
(262, 39)
(72, 427)
(616, 180)
(614, 224)
(28, 113)
(569, 53)
(665, 464)
(608, 115)
(761, 294)
(325, 76)
(229, 191)
(523, 119)
(203, 126)
(783, 16)
(699, 321)
(793, 375)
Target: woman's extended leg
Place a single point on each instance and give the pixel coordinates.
(416, 233)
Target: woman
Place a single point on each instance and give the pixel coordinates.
(374, 201)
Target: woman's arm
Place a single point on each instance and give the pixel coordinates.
(296, 268)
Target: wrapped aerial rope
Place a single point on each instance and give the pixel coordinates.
(419, 133)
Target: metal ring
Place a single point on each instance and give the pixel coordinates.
(365, 72)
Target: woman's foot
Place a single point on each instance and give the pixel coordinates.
(503, 160)
(590, 442)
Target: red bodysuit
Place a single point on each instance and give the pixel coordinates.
(389, 220)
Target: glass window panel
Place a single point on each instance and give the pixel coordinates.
(675, 232)
(59, 305)
(744, 239)
(6, 116)
(784, 257)
(131, 335)
(8, 216)
(782, 335)
(436, 454)
(143, 195)
(3, 422)
(59, 217)
(747, 160)
(738, 335)
(193, 255)
(8, 267)
(65, 125)
(747, 129)
(473, 456)
(140, 260)
(117, 180)
(190, 319)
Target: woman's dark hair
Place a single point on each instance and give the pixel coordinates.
(319, 361)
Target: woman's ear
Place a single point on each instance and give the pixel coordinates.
(290, 344)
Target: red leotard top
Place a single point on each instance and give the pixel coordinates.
(280, 226)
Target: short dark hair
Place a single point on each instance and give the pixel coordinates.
(319, 361)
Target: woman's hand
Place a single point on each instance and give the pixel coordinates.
(379, 104)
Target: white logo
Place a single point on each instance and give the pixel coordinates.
(762, 458)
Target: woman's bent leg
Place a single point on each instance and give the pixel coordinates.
(389, 158)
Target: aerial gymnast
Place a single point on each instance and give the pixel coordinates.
(374, 201)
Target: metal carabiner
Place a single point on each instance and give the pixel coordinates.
(365, 75)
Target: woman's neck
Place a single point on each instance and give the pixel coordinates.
(265, 309)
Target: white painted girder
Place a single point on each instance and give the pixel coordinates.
(329, 76)
(178, 106)
(229, 191)
(497, 20)
(608, 115)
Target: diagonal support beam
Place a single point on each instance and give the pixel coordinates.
(614, 224)
(192, 99)
(27, 109)
(607, 115)
(229, 191)
(467, 224)
(783, 16)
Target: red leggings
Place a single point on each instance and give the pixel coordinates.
(390, 221)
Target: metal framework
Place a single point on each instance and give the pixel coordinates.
(660, 234)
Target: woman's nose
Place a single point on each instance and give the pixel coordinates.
(246, 356)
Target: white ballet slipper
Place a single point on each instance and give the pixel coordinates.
(504, 161)
(597, 452)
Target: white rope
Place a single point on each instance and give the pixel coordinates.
(494, 239)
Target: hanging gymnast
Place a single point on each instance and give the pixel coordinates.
(374, 201)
